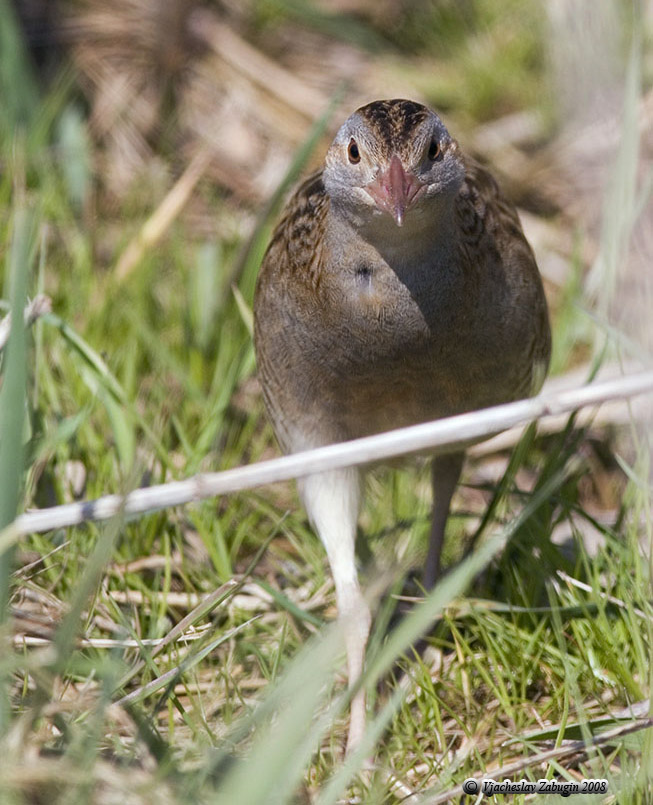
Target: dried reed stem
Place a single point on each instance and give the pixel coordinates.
(441, 435)
(161, 219)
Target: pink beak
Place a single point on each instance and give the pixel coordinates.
(394, 190)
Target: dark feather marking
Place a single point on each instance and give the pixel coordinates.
(394, 120)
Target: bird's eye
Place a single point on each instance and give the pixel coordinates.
(434, 150)
(353, 153)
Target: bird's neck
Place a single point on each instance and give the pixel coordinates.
(424, 232)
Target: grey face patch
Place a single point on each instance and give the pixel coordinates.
(383, 130)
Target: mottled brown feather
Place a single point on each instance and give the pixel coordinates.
(289, 294)
(361, 326)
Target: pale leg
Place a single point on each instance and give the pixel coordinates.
(445, 472)
(332, 502)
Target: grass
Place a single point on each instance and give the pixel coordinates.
(103, 698)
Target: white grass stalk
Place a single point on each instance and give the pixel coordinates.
(441, 435)
(38, 307)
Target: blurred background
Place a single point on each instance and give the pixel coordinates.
(146, 147)
(126, 98)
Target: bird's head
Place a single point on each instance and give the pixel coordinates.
(392, 157)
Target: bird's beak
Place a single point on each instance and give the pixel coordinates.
(394, 190)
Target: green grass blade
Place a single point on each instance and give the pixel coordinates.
(12, 392)
(281, 749)
(18, 88)
(12, 408)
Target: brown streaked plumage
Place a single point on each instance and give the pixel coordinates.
(398, 288)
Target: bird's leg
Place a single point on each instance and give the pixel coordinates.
(332, 502)
(445, 472)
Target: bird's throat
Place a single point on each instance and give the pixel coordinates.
(412, 252)
(426, 229)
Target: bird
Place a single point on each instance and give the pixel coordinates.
(397, 288)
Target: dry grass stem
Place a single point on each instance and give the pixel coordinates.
(162, 218)
(510, 770)
(613, 413)
(38, 307)
(611, 598)
(139, 599)
(431, 436)
(256, 66)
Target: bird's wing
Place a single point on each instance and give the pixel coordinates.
(492, 237)
(483, 209)
(296, 248)
(286, 308)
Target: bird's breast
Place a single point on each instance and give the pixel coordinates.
(403, 343)
(385, 310)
